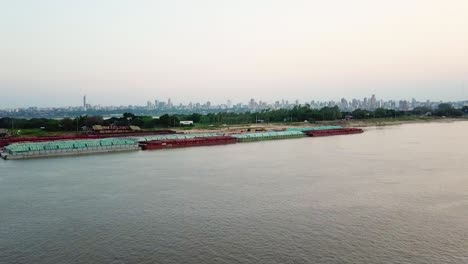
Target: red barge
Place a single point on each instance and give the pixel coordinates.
(188, 142)
(333, 132)
(10, 140)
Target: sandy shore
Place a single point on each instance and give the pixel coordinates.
(389, 122)
(344, 123)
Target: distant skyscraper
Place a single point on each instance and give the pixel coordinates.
(344, 103)
(277, 104)
(355, 103)
(404, 105)
(252, 103)
(373, 102)
(149, 105)
(414, 103)
(84, 102)
(169, 103)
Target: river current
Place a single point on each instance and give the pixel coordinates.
(396, 194)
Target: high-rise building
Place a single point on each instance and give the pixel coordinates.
(414, 103)
(84, 103)
(252, 103)
(149, 105)
(169, 103)
(355, 103)
(344, 103)
(373, 102)
(403, 105)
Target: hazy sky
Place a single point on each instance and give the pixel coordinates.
(127, 52)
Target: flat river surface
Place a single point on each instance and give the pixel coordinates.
(397, 194)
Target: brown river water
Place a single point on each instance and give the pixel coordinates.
(396, 194)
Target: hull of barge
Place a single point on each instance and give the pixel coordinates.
(63, 153)
(334, 132)
(185, 143)
(10, 140)
(254, 139)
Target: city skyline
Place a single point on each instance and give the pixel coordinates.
(161, 106)
(461, 94)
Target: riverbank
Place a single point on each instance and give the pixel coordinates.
(395, 121)
(236, 128)
(344, 123)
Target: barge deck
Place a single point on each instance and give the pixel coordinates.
(189, 142)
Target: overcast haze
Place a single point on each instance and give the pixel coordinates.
(128, 52)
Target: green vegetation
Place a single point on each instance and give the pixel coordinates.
(35, 132)
(43, 126)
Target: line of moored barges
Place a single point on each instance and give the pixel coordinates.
(63, 147)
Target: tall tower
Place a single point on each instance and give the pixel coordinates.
(373, 102)
(169, 103)
(84, 102)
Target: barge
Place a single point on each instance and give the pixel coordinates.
(272, 135)
(176, 136)
(313, 128)
(333, 132)
(187, 142)
(11, 140)
(67, 148)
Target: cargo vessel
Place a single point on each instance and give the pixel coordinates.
(67, 148)
(11, 140)
(38, 147)
(187, 142)
(271, 135)
(333, 132)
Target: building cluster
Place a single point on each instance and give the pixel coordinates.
(373, 103)
(370, 103)
(156, 107)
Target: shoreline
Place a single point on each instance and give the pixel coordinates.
(387, 122)
(254, 133)
(344, 123)
(236, 128)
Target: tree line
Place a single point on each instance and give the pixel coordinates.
(296, 114)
